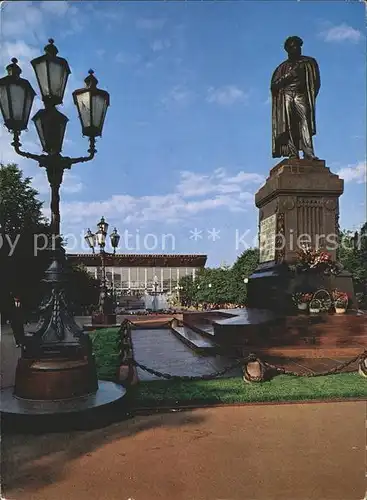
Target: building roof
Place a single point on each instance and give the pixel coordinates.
(140, 260)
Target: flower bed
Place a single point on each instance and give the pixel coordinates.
(319, 261)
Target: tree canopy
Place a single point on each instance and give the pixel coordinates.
(221, 285)
(21, 219)
(83, 289)
(22, 266)
(20, 210)
(226, 285)
(353, 257)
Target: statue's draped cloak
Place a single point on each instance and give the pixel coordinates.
(279, 118)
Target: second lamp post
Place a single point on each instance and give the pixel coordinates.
(106, 312)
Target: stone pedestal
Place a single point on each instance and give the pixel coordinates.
(299, 203)
(304, 196)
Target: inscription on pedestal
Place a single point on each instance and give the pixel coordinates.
(267, 237)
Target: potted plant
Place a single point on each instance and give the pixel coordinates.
(315, 306)
(325, 299)
(302, 299)
(341, 300)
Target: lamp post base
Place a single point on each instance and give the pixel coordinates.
(100, 408)
(55, 379)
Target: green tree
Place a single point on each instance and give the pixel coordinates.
(352, 254)
(21, 266)
(21, 220)
(188, 291)
(221, 285)
(83, 289)
(244, 266)
(213, 285)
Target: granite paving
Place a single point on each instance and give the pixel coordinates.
(161, 350)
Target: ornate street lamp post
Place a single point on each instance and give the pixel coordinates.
(56, 361)
(106, 314)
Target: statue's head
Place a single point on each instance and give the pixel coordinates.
(293, 45)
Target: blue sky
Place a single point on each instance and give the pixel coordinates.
(187, 138)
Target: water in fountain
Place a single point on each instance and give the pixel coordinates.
(157, 302)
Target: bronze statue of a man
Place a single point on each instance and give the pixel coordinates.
(294, 87)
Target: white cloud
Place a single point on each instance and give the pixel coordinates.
(56, 8)
(71, 183)
(76, 21)
(32, 21)
(158, 45)
(110, 12)
(226, 95)
(354, 173)
(125, 58)
(178, 95)
(220, 172)
(7, 153)
(20, 50)
(195, 193)
(150, 23)
(24, 52)
(219, 182)
(341, 33)
(73, 83)
(27, 21)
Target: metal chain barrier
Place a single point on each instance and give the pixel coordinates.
(332, 371)
(168, 376)
(242, 362)
(127, 358)
(125, 330)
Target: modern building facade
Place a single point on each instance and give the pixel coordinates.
(133, 274)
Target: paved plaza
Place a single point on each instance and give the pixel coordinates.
(285, 452)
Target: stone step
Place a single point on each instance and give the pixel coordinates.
(193, 339)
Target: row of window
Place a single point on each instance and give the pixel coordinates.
(143, 277)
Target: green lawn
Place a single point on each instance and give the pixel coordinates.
(235, 390)
(222, 391)
(106, 349)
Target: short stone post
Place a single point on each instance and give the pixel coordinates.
(254, 370)
(362, 366)
(127, 372)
